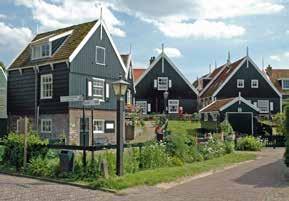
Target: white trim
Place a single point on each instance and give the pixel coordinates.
(242, 100)
(257, 84)
(206, 116)
(103, 48)
(163, 88)
(40, 45)
(252, 116)
(101, 98)
(89, 35)
(173, 105)
(207, 106)
(282, 83)
(174, 67)
(41, 86)
(60, 35)
(41, 40)
(18, 125)
(240, 83)
(41, 126)
(39, 65)
(3, 72)
(103, 128)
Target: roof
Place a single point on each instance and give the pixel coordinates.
(219, 75)
(277, 74)
(137, 72)
(216, 105)
(64, 51)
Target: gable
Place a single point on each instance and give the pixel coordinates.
(229, 86)
(234, 108)
(180, 87)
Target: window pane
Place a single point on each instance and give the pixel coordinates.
(45, 50)
(286, 84)
(162, 83)
(100, 55)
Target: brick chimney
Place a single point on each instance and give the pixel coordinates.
(152, 60)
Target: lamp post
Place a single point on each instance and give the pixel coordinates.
(119, 88)
(166, 95)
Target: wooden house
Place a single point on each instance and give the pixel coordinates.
(3, 102)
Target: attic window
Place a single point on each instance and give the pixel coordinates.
(285, 84)
(163, 83)
(100, 55)
(240, 83)
(41, 51)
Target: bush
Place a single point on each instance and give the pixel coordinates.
(2, 149)
(14, 148)
(43, 167)
(249, 143)
(131, 160)
(212, 149)
(286, 129)
(229, 147)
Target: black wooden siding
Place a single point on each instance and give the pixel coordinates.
(145, 90)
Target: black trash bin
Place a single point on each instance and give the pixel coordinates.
(66, 160)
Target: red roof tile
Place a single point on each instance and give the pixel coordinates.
(276, 75)
(217, 105)
(137, 72)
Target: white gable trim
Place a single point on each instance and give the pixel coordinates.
(60, 35)
(207, 106)
(5, 76)
(89, 35)
(228, 78)
(163, 55)
(242, 100)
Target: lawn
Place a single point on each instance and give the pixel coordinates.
(167, 174)
(186, 127)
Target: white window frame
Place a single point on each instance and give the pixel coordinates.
(240, 83)
(103, 48)
(42, 125)
(137, 103)
(271, 106)
(214, 116)
(41, 49)
(170, 104)
(260, 108)
(255, 84)
(103, 126)
(42, 96)
(128, 97)
(163, 88)
(101, 97)
(283, 84)
(17, 125)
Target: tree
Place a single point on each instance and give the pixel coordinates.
(2, 65)
(286, 129)
(278, 121)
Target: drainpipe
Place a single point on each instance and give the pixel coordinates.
(36, 108)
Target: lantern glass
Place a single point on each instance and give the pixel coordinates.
(120, 87)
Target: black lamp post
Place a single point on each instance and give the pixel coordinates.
(119, 88)
(166, 95)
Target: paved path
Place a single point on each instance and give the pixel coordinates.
(260, 180)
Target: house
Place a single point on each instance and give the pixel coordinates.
(72, 61)
(239, 112)
(163, 76)
(241, 77)
(3, 102)
(130, 94)
(280, 79)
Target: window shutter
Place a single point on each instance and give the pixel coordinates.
(149, 107)
(170, 83)
(155, 83)
(89, 88)
(271, 106)
(107, 90)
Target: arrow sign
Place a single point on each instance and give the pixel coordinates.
(91, 102)
(71, 98)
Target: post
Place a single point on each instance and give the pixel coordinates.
(119, 136)
(92, 135)
(83, 137)
(25, 142)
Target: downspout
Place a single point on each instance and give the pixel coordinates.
(36, 109)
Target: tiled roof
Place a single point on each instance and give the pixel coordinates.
(72, 42)
(137, 72)
(275, 75)
(217, 105)
(223, 73)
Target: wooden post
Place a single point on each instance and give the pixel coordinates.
(92, 136)
(25, 142)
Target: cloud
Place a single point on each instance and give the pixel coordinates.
(201, 29)
(13, 39)
(56, 14)
(275, 57)
(2, 16)
(171, 52)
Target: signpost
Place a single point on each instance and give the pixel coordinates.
(71, 98)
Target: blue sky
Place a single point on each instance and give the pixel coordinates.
(195, 32)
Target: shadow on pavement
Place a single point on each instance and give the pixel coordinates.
(271, 175)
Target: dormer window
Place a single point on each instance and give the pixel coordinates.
(240, 83)
(41, 51)
(285, 84)
(100, 55)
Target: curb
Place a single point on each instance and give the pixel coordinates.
(58, 182)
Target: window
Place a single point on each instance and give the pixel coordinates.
(163, 83)
(263, 105)
(98, 88)
(240, 83)
(46, 86)
(128, 97)
(46, 125)
(205, 116)
(173, 106)
(142, 105)
(271, 106)
(18, 125)
(239, 109)
(41, 51)
(100, 55)
(285, 84)
(98, 126)
(254, 83)
(214, 116)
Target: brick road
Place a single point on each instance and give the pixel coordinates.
(260, 180)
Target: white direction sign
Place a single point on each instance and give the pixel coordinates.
(71, 98)
(91, 102)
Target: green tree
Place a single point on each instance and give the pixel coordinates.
(286, 129)
(278, 122)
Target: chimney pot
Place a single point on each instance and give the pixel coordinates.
(152, 59)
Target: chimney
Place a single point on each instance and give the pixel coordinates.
(269, 70)
(152, 60)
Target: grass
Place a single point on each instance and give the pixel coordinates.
(186, 127)
(155, 176)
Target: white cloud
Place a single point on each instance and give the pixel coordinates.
(13, 39)
(201, 29)
(171, 52)
(2, 16)
(275, 57)
(56, 14)
(286, 54)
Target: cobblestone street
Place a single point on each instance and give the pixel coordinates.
(260, 180)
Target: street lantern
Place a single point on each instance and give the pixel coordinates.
(166, 95)
(119, 88)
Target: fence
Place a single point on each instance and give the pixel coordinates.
(274, 140)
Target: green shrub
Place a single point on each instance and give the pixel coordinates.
(212, 149)
(131, 160)
(14, 148)
(175, 161)
(229, 147)
(195, 154)
(249, 143)
(2, 149)
(43, 167)
(286, 129)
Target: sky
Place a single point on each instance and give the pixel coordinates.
(195, 33)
